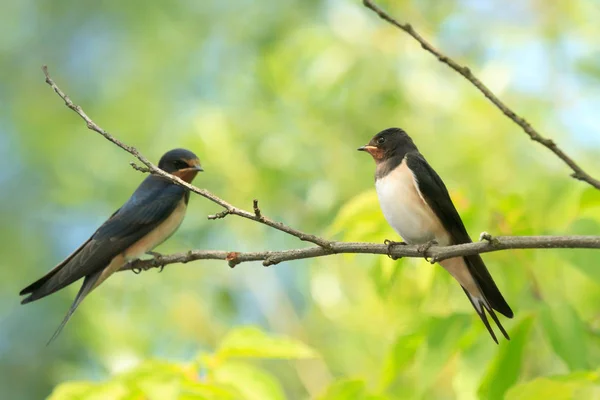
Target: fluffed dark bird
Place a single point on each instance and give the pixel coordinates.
(416, 203)
(150, 216)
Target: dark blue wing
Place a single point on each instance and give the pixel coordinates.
(153, 201)
(436, 195)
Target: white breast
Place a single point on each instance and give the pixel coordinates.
(158, 234)
(405, 210)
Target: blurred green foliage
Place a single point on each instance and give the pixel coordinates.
(211, 376)
(275, 97)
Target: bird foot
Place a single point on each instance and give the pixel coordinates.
(157, 257)
(136, 271)
(422, 248)
(390, 244)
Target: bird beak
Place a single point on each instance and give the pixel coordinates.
(367, 148)
(196, 168)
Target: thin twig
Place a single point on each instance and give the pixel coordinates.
(257, 211)
(578, 172)
(324, 247)
(434, 253)
(229, 208)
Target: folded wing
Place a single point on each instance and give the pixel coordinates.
(151, 204)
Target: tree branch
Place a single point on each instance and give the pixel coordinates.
(578, 172)
(229, 208)
(434, 253)
(324, 247)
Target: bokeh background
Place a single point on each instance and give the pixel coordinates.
(275, 97)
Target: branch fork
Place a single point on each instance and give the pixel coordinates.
(323, 247)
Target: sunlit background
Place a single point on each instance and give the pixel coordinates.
(275, 97)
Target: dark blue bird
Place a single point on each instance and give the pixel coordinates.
(150, 216)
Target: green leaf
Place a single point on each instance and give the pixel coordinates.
(580, 258)
(567, 334)
(542, 388)
(400, 357)
(352, 208)
(250, 342)
(157, 379)
(70, 390)
(251, 382)
(360, 218)
(151, 380)
(442, 336)
(506, 366)
(590, 197)
(384, 274)
(160, 389)
(584, 376)
(346, 389)
(153, 369)
(90, 391)
(579, 385)
(203, 391)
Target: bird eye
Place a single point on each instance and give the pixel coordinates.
(381, 140)
(180, 164)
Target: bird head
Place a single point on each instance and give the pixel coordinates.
(181, 163)
(389, 143)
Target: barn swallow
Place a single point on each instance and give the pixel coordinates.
(416, 203)
(148, 218)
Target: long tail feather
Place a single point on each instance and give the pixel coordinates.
(86, 288)
(495, 318)
(487, 286)
(481, 306)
